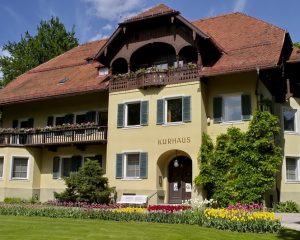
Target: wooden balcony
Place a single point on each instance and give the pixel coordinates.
(94, 134)
(153, 79)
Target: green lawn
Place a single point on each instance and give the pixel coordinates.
(32, 228)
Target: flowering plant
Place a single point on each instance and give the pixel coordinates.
(167, 208)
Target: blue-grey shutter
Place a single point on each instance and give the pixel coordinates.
(120, 120)
(144, 113)
(90, 117)
(143, 165)
(217, 109)
(119, 166)
(186, 109)
(76, 163)
(69, 118)
(50, 121)
(56, 163)
(160, 112)
(15, 123)
(30, 123)
(246, 107)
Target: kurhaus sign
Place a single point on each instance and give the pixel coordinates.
(165, 141)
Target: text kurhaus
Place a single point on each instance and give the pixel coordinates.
(165, 141)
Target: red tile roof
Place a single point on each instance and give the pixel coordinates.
(248, 43)
(43, 81)
(157, 10)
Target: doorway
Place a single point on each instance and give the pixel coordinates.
(180, 179)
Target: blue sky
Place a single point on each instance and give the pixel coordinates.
(94, 19)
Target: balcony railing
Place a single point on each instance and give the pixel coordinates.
(149, 79)
(55, 136)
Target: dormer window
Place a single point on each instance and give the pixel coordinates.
(103, 71)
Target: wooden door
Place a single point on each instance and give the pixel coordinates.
(180, 180)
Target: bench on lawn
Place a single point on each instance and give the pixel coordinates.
(134, 199)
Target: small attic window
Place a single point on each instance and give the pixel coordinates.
(103, 71)
(62, 81)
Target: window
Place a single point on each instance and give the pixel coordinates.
(63, 166)
(132, 114)
(232, 108)
(1, 166)
(292, 169)
(97, 158)
(103, 71)
(19, 168)
(289, 119)
(132, 165)
(23, 123)
(174, 110)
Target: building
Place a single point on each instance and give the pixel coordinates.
(139, 101)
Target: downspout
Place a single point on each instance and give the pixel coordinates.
(258, 98)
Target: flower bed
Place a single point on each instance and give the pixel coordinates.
(241, 220)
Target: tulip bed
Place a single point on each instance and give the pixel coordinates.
(240, 218)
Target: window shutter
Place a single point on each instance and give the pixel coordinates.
(246, 107)
(30, 123)
(160, 112)
(99, 159)
(119, 166)
(69, 118)
(102, 118)
(76, 163)
(217, 109)
(143, 165)
(50, 121)
(90, 117)
(15, 123)
(186, 109)
(144, 113)
(120, 120)
(56, 164)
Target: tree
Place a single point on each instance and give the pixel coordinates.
(297, 44)
(241, 167)
(86, 185)
(51, 40)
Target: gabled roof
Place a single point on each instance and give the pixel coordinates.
(160, 9)
(248, 43)
(66, 74)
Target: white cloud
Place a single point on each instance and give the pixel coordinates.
(98, 37)
(114, 10)
(240, 5)
(4, 53)
(107, 27)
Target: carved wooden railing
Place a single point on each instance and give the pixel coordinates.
(145, 80)
(55, 137)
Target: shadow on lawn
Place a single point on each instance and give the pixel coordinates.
(288, 234)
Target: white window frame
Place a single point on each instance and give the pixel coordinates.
(284, 109)
(103, 71)
(297, 158)
(223, 107)
(126, 113)
(28, 167)
(125, 154)
(1, 178)
(166, 109)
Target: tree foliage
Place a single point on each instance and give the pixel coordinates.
(51, 40)
(297, 44)
(86, 185)
(241, 166)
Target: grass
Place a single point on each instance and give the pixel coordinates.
(12, 227)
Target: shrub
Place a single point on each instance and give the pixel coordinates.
(86, 185)
(287, 207)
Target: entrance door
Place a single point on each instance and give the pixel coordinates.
(180, 180)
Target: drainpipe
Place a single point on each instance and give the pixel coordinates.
(256, 87)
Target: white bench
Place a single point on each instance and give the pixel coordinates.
(133, 199)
